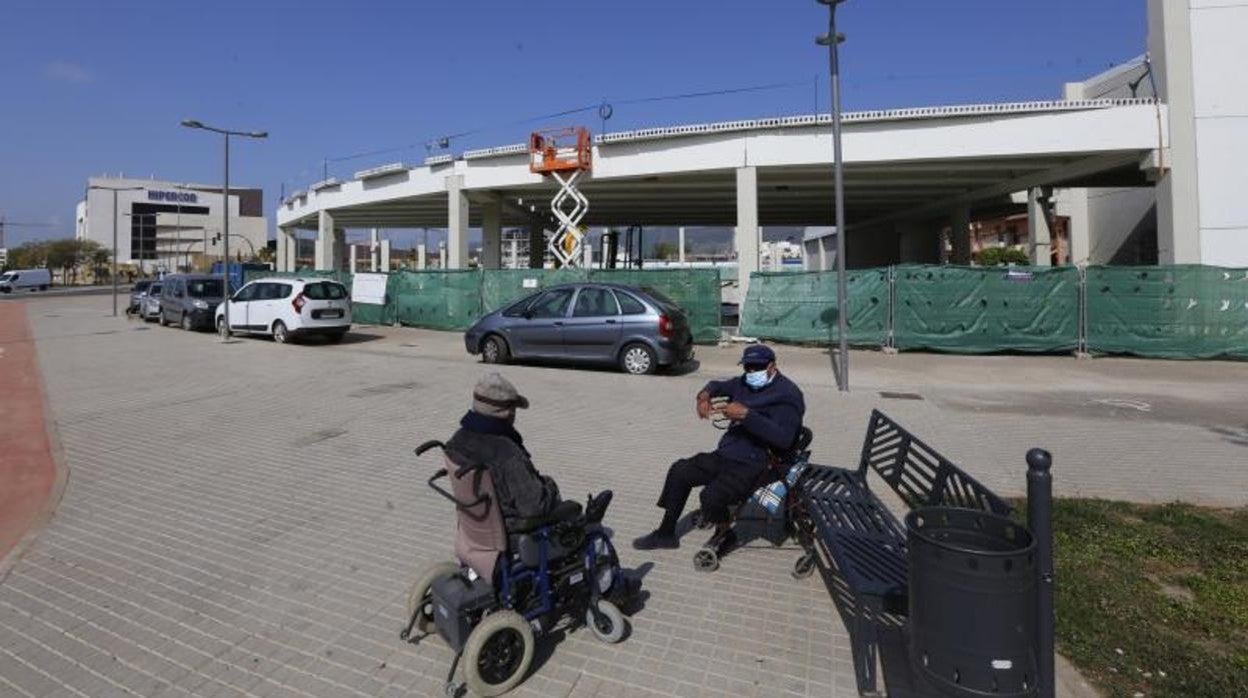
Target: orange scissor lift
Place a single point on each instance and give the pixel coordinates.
(564, 155)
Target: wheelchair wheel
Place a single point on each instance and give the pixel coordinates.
(705, 560)
(498, 653)
(606, 621)
(420, 598)
(804, 567)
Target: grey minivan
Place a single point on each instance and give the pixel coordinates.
(638, 329)
(189, 300)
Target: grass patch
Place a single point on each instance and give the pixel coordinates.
(1153, 599)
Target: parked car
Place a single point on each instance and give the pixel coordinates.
(25, 279)
(638, 329)
(138, 294)
(149, 305)
(290, 308)
(189, 300)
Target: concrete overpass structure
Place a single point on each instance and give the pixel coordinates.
(904, 169)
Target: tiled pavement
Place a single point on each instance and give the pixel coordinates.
(244, 519)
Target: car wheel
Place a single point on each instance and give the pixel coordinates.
(494, 350)
(186, 322)
(280, 334)
(638, 359)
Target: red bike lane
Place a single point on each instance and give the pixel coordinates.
(28, 473)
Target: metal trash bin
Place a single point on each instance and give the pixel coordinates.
(972, 602)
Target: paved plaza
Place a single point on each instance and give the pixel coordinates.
(245, 518)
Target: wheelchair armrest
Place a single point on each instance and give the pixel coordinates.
(566, 510)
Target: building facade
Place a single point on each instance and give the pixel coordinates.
(168, 226)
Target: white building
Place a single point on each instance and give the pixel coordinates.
(169, 226)
(1197, 211)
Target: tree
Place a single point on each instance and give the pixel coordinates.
(29, 255)
(666, 250)
(1001, 256)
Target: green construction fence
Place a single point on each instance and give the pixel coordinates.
(1182, 311)
(454, 299)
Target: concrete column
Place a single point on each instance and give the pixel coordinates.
(960, 235)
(384, 254)
(456, 256)
(746, 237)
(492, 233)
(422, 260)
(326, 242)
(587, 252)
(680, 233)
(443, 254)
(537, 246)
(286, 246)
(1074, 205)
(340, 249)
(515, 254)
(1038, 227)
(373, 249)
(918, 242)
(1178, 202)
(354, 258)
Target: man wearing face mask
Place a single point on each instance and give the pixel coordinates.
(487, 436)
(765, 411)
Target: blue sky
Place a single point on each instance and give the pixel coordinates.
(93, 87)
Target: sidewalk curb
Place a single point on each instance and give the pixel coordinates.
(60, 475)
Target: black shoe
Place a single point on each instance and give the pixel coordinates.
(656, 540)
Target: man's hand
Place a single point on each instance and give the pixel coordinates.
(703, 405)
(735, 411)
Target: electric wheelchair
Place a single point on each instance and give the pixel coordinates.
(767, 512)
(512, 583)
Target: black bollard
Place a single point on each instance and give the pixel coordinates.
(1040, 521)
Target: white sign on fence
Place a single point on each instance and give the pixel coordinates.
(369, 288)
(529, 283)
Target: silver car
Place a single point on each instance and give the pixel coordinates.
(638, 329)
(149, 303)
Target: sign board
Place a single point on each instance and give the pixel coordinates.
(530, 283)
(369, 288)
(180, 197)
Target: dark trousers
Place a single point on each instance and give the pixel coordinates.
(724, 483)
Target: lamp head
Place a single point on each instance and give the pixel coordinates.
(191, 123)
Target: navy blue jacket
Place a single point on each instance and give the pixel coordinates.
(775, 417)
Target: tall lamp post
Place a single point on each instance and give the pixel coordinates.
(114, 190)
(832, 40)
(225, 211)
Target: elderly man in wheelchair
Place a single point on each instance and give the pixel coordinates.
(526, 558)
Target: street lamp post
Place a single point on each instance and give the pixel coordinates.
(832, 40)
(114, 190)
(225, 212)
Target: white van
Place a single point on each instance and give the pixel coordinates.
(29, 279)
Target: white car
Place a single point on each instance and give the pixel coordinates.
(289, 308)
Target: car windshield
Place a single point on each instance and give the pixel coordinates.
(141, 286)
(204, 288)
(153, 290)
(5, 276)
(325, 290)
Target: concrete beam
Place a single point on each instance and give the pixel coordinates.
(456, 224)
(746, 234)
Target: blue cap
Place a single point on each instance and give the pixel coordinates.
(757, 354)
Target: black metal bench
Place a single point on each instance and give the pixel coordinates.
(846, 529)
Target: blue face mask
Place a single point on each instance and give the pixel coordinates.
(757, 379)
